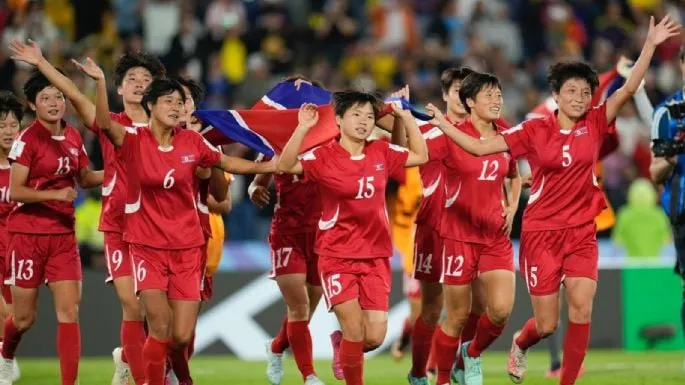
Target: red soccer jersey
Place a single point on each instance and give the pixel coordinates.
(474, 204)
(5, 206)
(161, 207)
(354, 221)
(433, 177)
(298, 207)
(565, 192)
(114, 185)
(53, 162)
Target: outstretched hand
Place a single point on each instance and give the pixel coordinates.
(438, 116)
(90, 68)
(308, 115)
(27, 52)
(666, 29)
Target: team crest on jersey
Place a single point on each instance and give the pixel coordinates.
(379, 166)
(189, 158)
(582, 131)
(73, 151)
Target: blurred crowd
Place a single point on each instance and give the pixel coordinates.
(240, 48)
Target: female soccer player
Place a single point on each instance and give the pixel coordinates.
(476, 227)
(162, 160)
(47, 158)
(133, 73)
(11, 114)
(558, 241)
(353, 241)
(293, 263)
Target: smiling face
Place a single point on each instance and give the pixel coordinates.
(574, 97)
(168, 109)
(487, 104)
(133, 85)
(9, 127)
(49, 105)
(357, 122)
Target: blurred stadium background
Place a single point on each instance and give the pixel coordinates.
(240, 48)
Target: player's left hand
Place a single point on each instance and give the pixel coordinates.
(438, 117)
(508, 213)
(666, 29)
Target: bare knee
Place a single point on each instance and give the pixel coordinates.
(299, 312)
(353, 329)
(181, 339)
(131, 309)
(430, 312)
(580, 311)
(499, 314)
(546, 326)
(159, 326)
(372, 342)
(455, 319)
(24, 321)
(67, 313)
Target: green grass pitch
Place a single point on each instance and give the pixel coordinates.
(601, 368)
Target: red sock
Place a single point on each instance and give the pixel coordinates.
(352, 361)
(421, 344)
(301, 345)
(575, 346)
(132, 340)
(486, 333)
(432, 363)
(10, 339)
(529, 335)
(280, 342)
(191, 345)
(69, 351)
(470, 326)
(154, 359)
(448, 347)
(179, 362)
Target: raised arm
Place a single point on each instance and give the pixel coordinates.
(416, 144)
(20, 192)
(237, 165)
(115, 132)
(656, 35)
(472, 145)
(307, 118)
(399, 131)
(30, 53)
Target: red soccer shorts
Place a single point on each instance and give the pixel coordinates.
(547, 257)
(366, 280)
(178, 272)
(294, 254)
(463, 261)
(117, 256)
(411, 287)
(34, 259)
(427, 251)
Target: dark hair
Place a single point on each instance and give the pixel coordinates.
(9, 103)
(295, 77)
(559, 73)
(344, 100)
(197, 91)
(473, 84)
(159, 88)
(36, 83)
(453, 74)
(140, 59)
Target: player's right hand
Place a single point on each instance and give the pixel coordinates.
(66, 194)
(259, 195)
(308, 115)
(90, 68)
(29, 53)
(438, 116)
